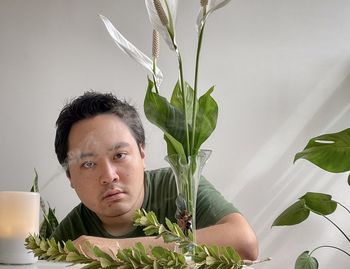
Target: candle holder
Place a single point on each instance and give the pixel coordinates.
(19, 217)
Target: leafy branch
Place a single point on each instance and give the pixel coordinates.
(93, 257)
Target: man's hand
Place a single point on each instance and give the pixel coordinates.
(105, 244)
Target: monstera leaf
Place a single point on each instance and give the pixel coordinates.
(305, 261)
(319, 203)
(330, 152)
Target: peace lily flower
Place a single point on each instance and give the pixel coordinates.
(186, 120)
(208, 7)
(132, 51)
(162, 15)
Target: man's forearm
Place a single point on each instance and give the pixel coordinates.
(232, 230)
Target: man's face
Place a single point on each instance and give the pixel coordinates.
(106, 166)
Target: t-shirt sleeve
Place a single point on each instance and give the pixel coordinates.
(211, 205)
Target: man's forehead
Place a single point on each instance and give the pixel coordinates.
(95, 149)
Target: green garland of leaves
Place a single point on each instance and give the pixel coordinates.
(137, 256)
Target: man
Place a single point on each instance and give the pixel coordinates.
(100, 142)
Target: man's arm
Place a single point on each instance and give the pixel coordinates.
(232, 230)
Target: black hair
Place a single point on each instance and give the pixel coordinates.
(91, 104)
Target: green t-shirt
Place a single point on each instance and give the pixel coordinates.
(160, 195)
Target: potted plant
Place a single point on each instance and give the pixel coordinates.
(330, 152)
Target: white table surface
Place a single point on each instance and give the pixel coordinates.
(41, 265)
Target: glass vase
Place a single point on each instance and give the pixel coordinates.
(187, 175)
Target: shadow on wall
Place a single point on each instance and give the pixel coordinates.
(323, 111)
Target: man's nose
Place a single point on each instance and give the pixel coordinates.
(109, 172)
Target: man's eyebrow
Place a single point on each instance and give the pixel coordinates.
(119, 145)
(83, 155)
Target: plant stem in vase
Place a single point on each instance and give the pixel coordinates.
(187, 175)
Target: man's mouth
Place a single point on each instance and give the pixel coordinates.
(113, 195)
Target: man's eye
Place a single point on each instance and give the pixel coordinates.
(119, 156)
(88, 164)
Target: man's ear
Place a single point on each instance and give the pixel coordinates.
(143, 155)
(142, 152)
(68, 175)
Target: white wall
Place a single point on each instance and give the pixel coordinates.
(281, 70)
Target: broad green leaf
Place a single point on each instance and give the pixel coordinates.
(294, 214)
(320, 203)
(206, 119)
(330, 152)
(174, 146)
(164, 115)
(177, 100)
(305, 261)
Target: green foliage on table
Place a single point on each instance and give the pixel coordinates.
(330, 152)
(50, 221)
(137, 257)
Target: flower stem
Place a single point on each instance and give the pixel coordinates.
(195, 89)
(326, 246)
(182, 87)
(337, 227)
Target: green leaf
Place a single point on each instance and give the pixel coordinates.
(174, 146)
(158, 252)
(100, 253)
(49, 223)
(70, 246)
(73, 257)
(330, 152)
(177, 100)
(320, 203)
(35, 187)
(164, 115)
(305, 261)
(92, 265)
(206, 118)
(294, 214)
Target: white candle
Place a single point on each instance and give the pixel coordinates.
(19, 217)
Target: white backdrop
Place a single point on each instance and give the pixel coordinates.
(281, 70)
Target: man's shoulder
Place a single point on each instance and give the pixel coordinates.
(70, 225)
(159, 173)
(159, 176)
